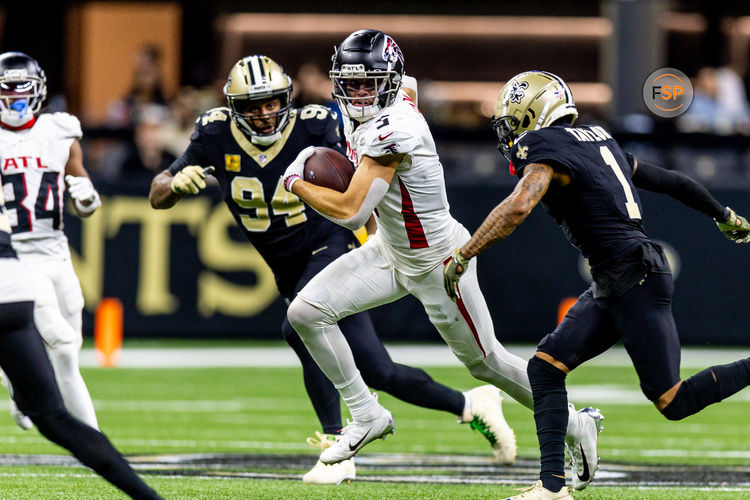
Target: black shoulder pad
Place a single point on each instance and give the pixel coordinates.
(212, 122)
(541, 145)
(316, 118)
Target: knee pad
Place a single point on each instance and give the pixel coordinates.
(377, 377)
(48, 422)
(301, 314)
(542, 373)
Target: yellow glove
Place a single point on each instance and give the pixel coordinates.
(452, 273)
(736, 228)
(190, 180)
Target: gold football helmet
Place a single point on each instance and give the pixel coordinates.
(252, 81)
(530, 101)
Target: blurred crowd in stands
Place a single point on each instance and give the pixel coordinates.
(147, 129)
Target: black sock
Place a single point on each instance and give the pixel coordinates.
(551, 417)
(94, 450)
(708, 387)
(415, 386)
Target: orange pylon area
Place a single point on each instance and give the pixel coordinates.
(562, 309)
(108, 332)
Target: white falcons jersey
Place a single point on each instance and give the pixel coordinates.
(413, 217)
(32, 168)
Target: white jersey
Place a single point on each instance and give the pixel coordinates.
(32, 168)
(413, 217)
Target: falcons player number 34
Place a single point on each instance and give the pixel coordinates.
(48, 204)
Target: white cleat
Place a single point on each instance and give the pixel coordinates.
(356, 435)
(21, 420)
(344, 471)
(583, 454)
(485, 414)
(321, 473)
(539, 492)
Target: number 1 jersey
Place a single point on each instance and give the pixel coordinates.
(32, 167)
(599, 210)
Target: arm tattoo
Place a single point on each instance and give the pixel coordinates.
(512, 211)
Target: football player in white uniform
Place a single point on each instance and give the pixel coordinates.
(40, 155)
(398, 177)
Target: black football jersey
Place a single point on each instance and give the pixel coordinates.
(276, 222)
(599, 210)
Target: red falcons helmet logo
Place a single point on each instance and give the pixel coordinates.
(391, 52)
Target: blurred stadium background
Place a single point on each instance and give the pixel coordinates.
(139, 73)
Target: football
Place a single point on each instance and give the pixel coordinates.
(329, 168)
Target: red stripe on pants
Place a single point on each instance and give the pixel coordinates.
(414, 230)
(465, 313)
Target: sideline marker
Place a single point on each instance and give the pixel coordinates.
(108, 331)
(562, 309)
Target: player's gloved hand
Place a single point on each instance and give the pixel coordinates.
(736, 227)
(456, 267)
(84, 196)
(190, 180)
(80, 188)
(296, 169)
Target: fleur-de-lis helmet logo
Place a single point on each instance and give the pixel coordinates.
(517, 91)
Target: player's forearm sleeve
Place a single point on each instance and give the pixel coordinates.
(680, 187)
(377, 190)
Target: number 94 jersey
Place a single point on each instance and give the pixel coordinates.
(599, 210)
(32, 167)
(275, 221)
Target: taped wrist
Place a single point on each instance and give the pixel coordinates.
(91, 207)
(680, 187)
(708, 387)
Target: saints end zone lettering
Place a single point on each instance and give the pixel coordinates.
(158, 253)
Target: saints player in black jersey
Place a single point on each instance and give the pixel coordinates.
(250, 144)
(587, 183)
(24, 360)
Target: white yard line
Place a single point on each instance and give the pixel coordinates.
(418, 355)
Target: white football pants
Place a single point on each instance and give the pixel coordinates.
(57, 315)
(363, 279)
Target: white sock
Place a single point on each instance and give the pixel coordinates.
(574, 424)
(72, 387)
(466, 415)
(360, 401)
(328, 347)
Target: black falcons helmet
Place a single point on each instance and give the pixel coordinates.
(23, 87)
(367, 55)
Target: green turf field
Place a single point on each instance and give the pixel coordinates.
(248, 411)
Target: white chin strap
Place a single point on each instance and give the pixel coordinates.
(265, 140)
(362, 113)
(14, 118)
